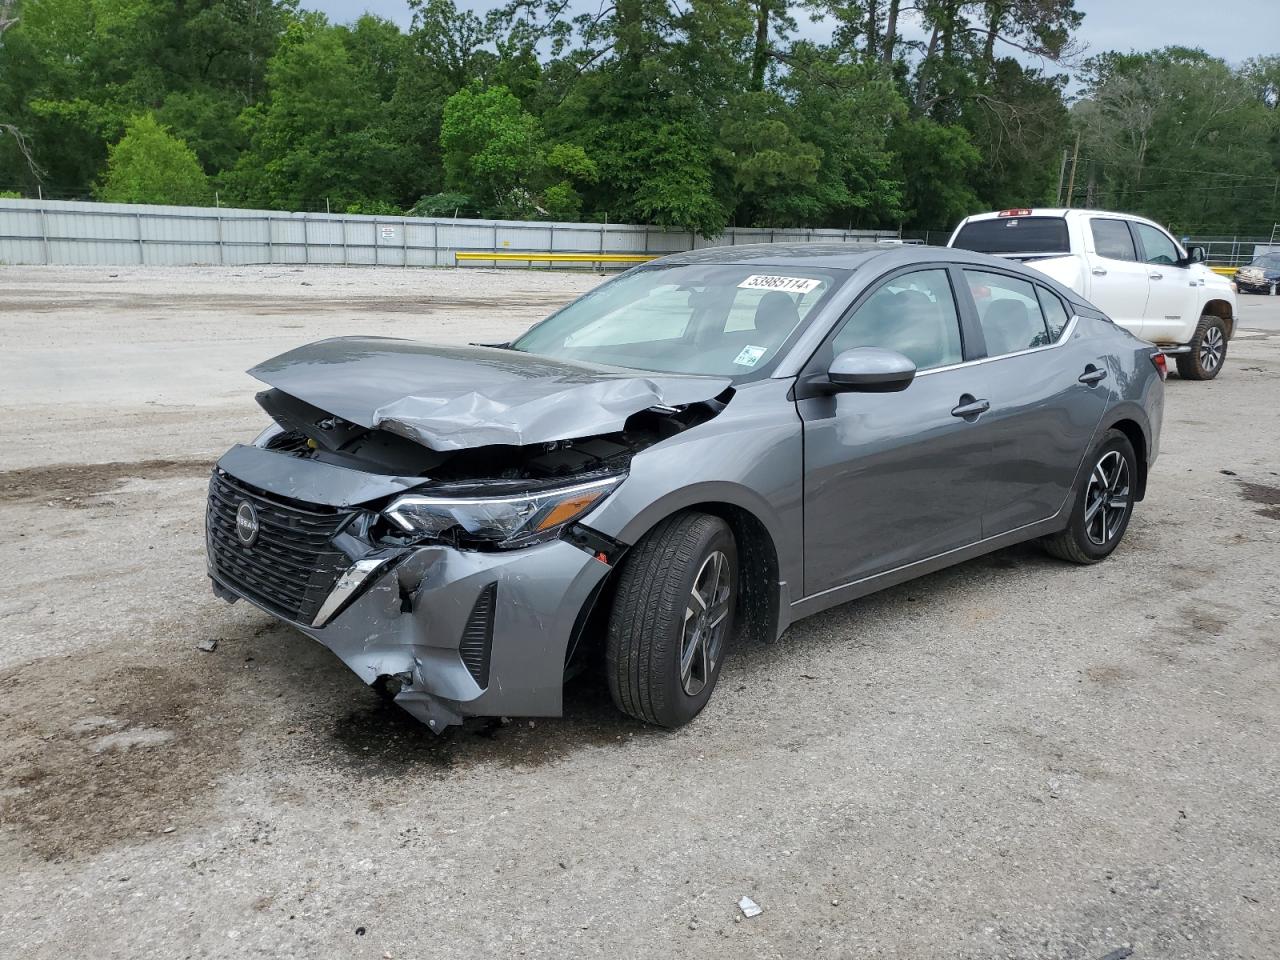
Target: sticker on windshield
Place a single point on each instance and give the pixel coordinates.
(758, 281)
(750, 355)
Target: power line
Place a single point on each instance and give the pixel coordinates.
(1268, 178)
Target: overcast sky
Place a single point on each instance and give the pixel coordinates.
(1235, 30)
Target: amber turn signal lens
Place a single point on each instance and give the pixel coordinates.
(567, 509)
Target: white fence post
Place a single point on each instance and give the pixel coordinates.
(44, 234)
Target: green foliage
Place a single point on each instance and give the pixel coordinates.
(10, 195)
(691, 115)
(1182, 137)
(937, 163)
(150, 165)
(572, 161)
(447, 204)
(321, 133)
(373, 208)
(492, 149)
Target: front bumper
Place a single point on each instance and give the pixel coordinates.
(1247, 285)
(454, 633)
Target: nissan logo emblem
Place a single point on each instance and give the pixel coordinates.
(246, 523)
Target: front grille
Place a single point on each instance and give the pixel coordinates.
(291, 566)
(477, 636)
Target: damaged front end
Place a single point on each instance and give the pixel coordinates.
(451, 571)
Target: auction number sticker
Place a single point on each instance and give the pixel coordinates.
(759, 281)
(750, 355)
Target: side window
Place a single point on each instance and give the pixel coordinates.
(1055, 314)
(1111, 239)
(1156, 245)
(1008, 311)
(914, 314)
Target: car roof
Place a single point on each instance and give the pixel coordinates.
(844, 256)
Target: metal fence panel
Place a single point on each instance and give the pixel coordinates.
(104, 234)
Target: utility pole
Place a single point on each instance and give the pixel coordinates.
(1062, 174)
(1075, 160)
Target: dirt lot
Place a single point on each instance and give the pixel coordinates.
(1013, 758)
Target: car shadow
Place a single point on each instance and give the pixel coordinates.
(345, 725)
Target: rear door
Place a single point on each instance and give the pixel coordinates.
(1048, 388)
(1118, 283)
(891, 478)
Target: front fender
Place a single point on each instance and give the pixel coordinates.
(750, 456)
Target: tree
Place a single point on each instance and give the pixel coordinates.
(937, 163)
(150, 165)
(1181, 137)
(15, 137)
(322, 131)
(492, 150)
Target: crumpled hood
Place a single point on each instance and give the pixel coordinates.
(454, 398)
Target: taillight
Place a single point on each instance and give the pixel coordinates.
(1161, 363)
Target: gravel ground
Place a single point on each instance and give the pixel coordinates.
(1012, 758)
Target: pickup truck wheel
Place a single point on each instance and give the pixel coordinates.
(1103, 506)
(671, 619)
(1208, 350)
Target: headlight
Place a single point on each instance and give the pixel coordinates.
(508, 521)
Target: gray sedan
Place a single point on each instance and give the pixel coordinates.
(703, 450)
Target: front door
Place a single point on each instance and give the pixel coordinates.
(1171, 295)
(891, 478)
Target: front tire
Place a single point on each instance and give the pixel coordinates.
(1208, 350)
(671, 619)
(1103, 506)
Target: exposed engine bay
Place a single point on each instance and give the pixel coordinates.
(311, 433)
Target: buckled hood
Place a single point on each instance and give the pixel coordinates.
(455, 398)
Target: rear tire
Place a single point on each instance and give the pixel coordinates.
(672, 618)
(1208, 350)
(1103, 505)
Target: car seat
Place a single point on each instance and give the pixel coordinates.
(1009, 327)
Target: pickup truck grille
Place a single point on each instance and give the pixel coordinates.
(291, 566)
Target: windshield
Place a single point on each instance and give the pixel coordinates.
(1014, 235)
(1270, 261)
(706, 318)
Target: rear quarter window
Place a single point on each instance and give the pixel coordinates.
(1015, 235)
(1111, 239)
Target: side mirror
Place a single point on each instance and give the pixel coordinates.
(870, 370)
(1196, 255)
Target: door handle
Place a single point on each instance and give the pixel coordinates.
(1099, 271)
(970, 407)
(1156, 276)
(1092, 375)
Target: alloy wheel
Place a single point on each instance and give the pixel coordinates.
(705, 619)
(1107, 499)
(1212, 348)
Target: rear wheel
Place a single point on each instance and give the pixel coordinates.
(1208, 350)
(1103, 506)
(671, 619)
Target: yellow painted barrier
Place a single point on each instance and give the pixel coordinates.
(555, 257)
(1225, 271)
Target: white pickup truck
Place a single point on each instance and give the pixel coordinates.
(1130, 268)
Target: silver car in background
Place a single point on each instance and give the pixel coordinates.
(705, 448)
